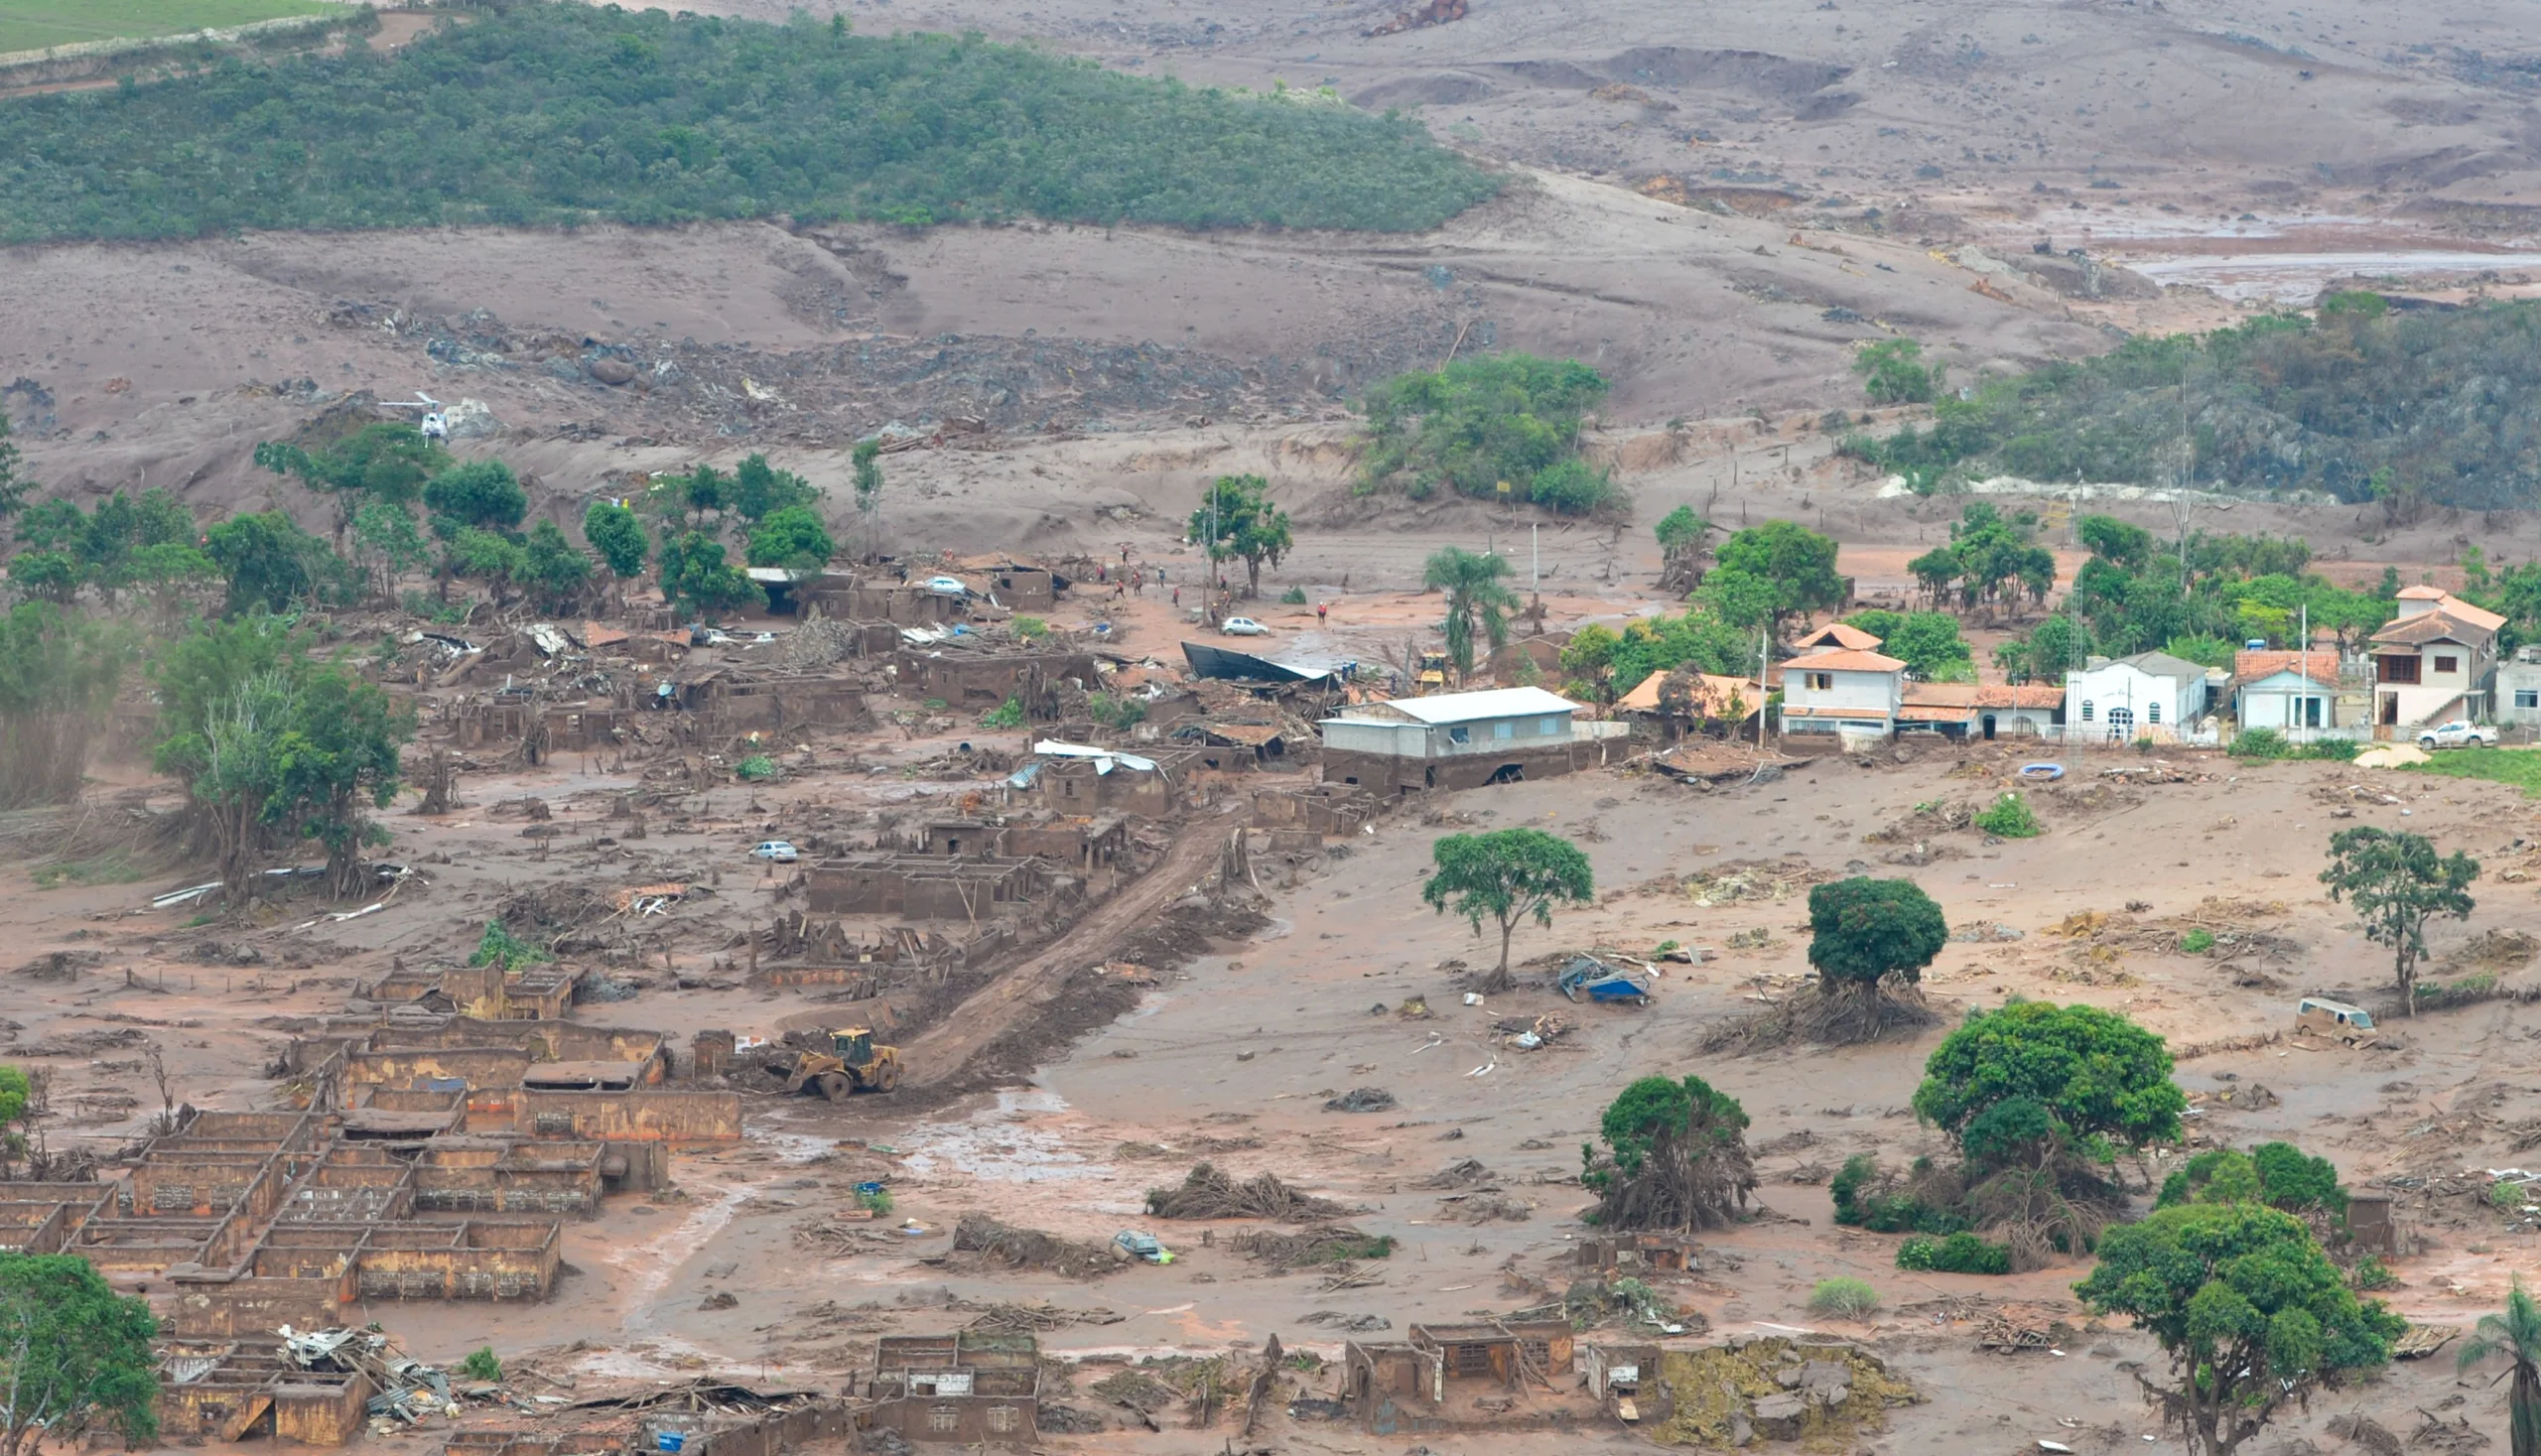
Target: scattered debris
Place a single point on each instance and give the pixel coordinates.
(1361, 1099)
(1209, 1193)
(1019, 1247)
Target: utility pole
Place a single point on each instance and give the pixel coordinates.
(1764, 650)
(1534, 556)
(2303, 672)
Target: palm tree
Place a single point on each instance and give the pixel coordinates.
(1475, 598)
(2516, 1334)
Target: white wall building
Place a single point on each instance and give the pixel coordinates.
(1843, 690)
(2127, 697)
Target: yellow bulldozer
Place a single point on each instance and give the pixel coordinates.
(852, 1064)
(1432, 677)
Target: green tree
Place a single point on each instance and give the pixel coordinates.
(58, 673)
(2251, 1313)
(704, 490)
(73, 1352)
(387, 537)
(13, 486)
(1478, 600)
(1790, 568)
(1589, 658)
(1928, 642)
(1893, 372)
(1863, 931)
(337, 759)
(490, 557)
(272, 565)
(1675, 1158)
(2277, 1174)
(1247, 526)
(2397, 883)
(792, 537)
(383, 463)
(483, 494)
(1477, 423)
(2097, 1076)
(1684, 539)
(619, 537)
(697, 578)
(869, 487)
(1507, 875)
(554, 573)
(15, 1089)
(760, 490)
(2517, 1335)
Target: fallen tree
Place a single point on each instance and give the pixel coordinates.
(1208, 1192)
(1675, 1158)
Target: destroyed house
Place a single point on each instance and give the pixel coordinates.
(542, 990)
(1451, 741)
(966, 1388)
(1452, 1377)
(229, 1390)
(1076, 779)
(928, 888)
(729, 700)
(987, 677)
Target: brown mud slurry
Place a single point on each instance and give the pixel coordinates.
(1076, 387)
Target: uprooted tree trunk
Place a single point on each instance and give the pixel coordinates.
(1843, 1014)
(1686, 1183)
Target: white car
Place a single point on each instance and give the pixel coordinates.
(947, 586)
(777, 851)
(1243, 627)
(2461, 733)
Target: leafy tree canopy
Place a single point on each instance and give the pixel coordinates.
(619, 537)
(72, 1353)
(1507, 875)
(1772, 571)
(1893, 372)
(274, 565)
(760, 490)
(1479, 421)
(1478, 599)
(542, 115)
(484, 495)
(791, 536)
(1863, 929)
(2251, 1311)
(1676, 1157)
(1928, 642)
(2098, 1075)
(2397, 883)
(552, 571)
(697, 578)
(1236, 520)
(2413, 408)
(2277, 1174)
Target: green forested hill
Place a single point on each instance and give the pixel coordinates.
(2426, 407)
(553, 113)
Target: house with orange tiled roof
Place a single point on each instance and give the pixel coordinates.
(2436, 662)
(1842, 690)
(2290, 690)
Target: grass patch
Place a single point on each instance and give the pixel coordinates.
(40, 25)
(2521, 767)
(2009, 818)
(1843, 1299)
(115, 866)
(553, 114)
(500, 944)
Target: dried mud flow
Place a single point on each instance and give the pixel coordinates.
(1713, 204)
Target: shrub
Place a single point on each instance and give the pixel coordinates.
(2507, 1196)
(2197, 942)
(1573, 488)
(1476, 423)
(1865, 1199)
(756, 767)
(500, 944)
(1119, 713)
(2010, 817)
(1893, 372)
(1851, 1299)
(2259, 743)
(877, 1200)
(2341, 750)
(1293, 597)
(1031, 628)
(2371, 1273)
(481, 1364)
(1006, 715)
(1959, 1254)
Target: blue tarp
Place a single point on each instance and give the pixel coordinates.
(1600, 981)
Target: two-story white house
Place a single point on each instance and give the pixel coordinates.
(2436, 662)
(2127, 697)
(1842, 690)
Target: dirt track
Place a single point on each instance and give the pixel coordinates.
(943, 1053)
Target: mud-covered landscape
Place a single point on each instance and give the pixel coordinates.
(809, 739)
